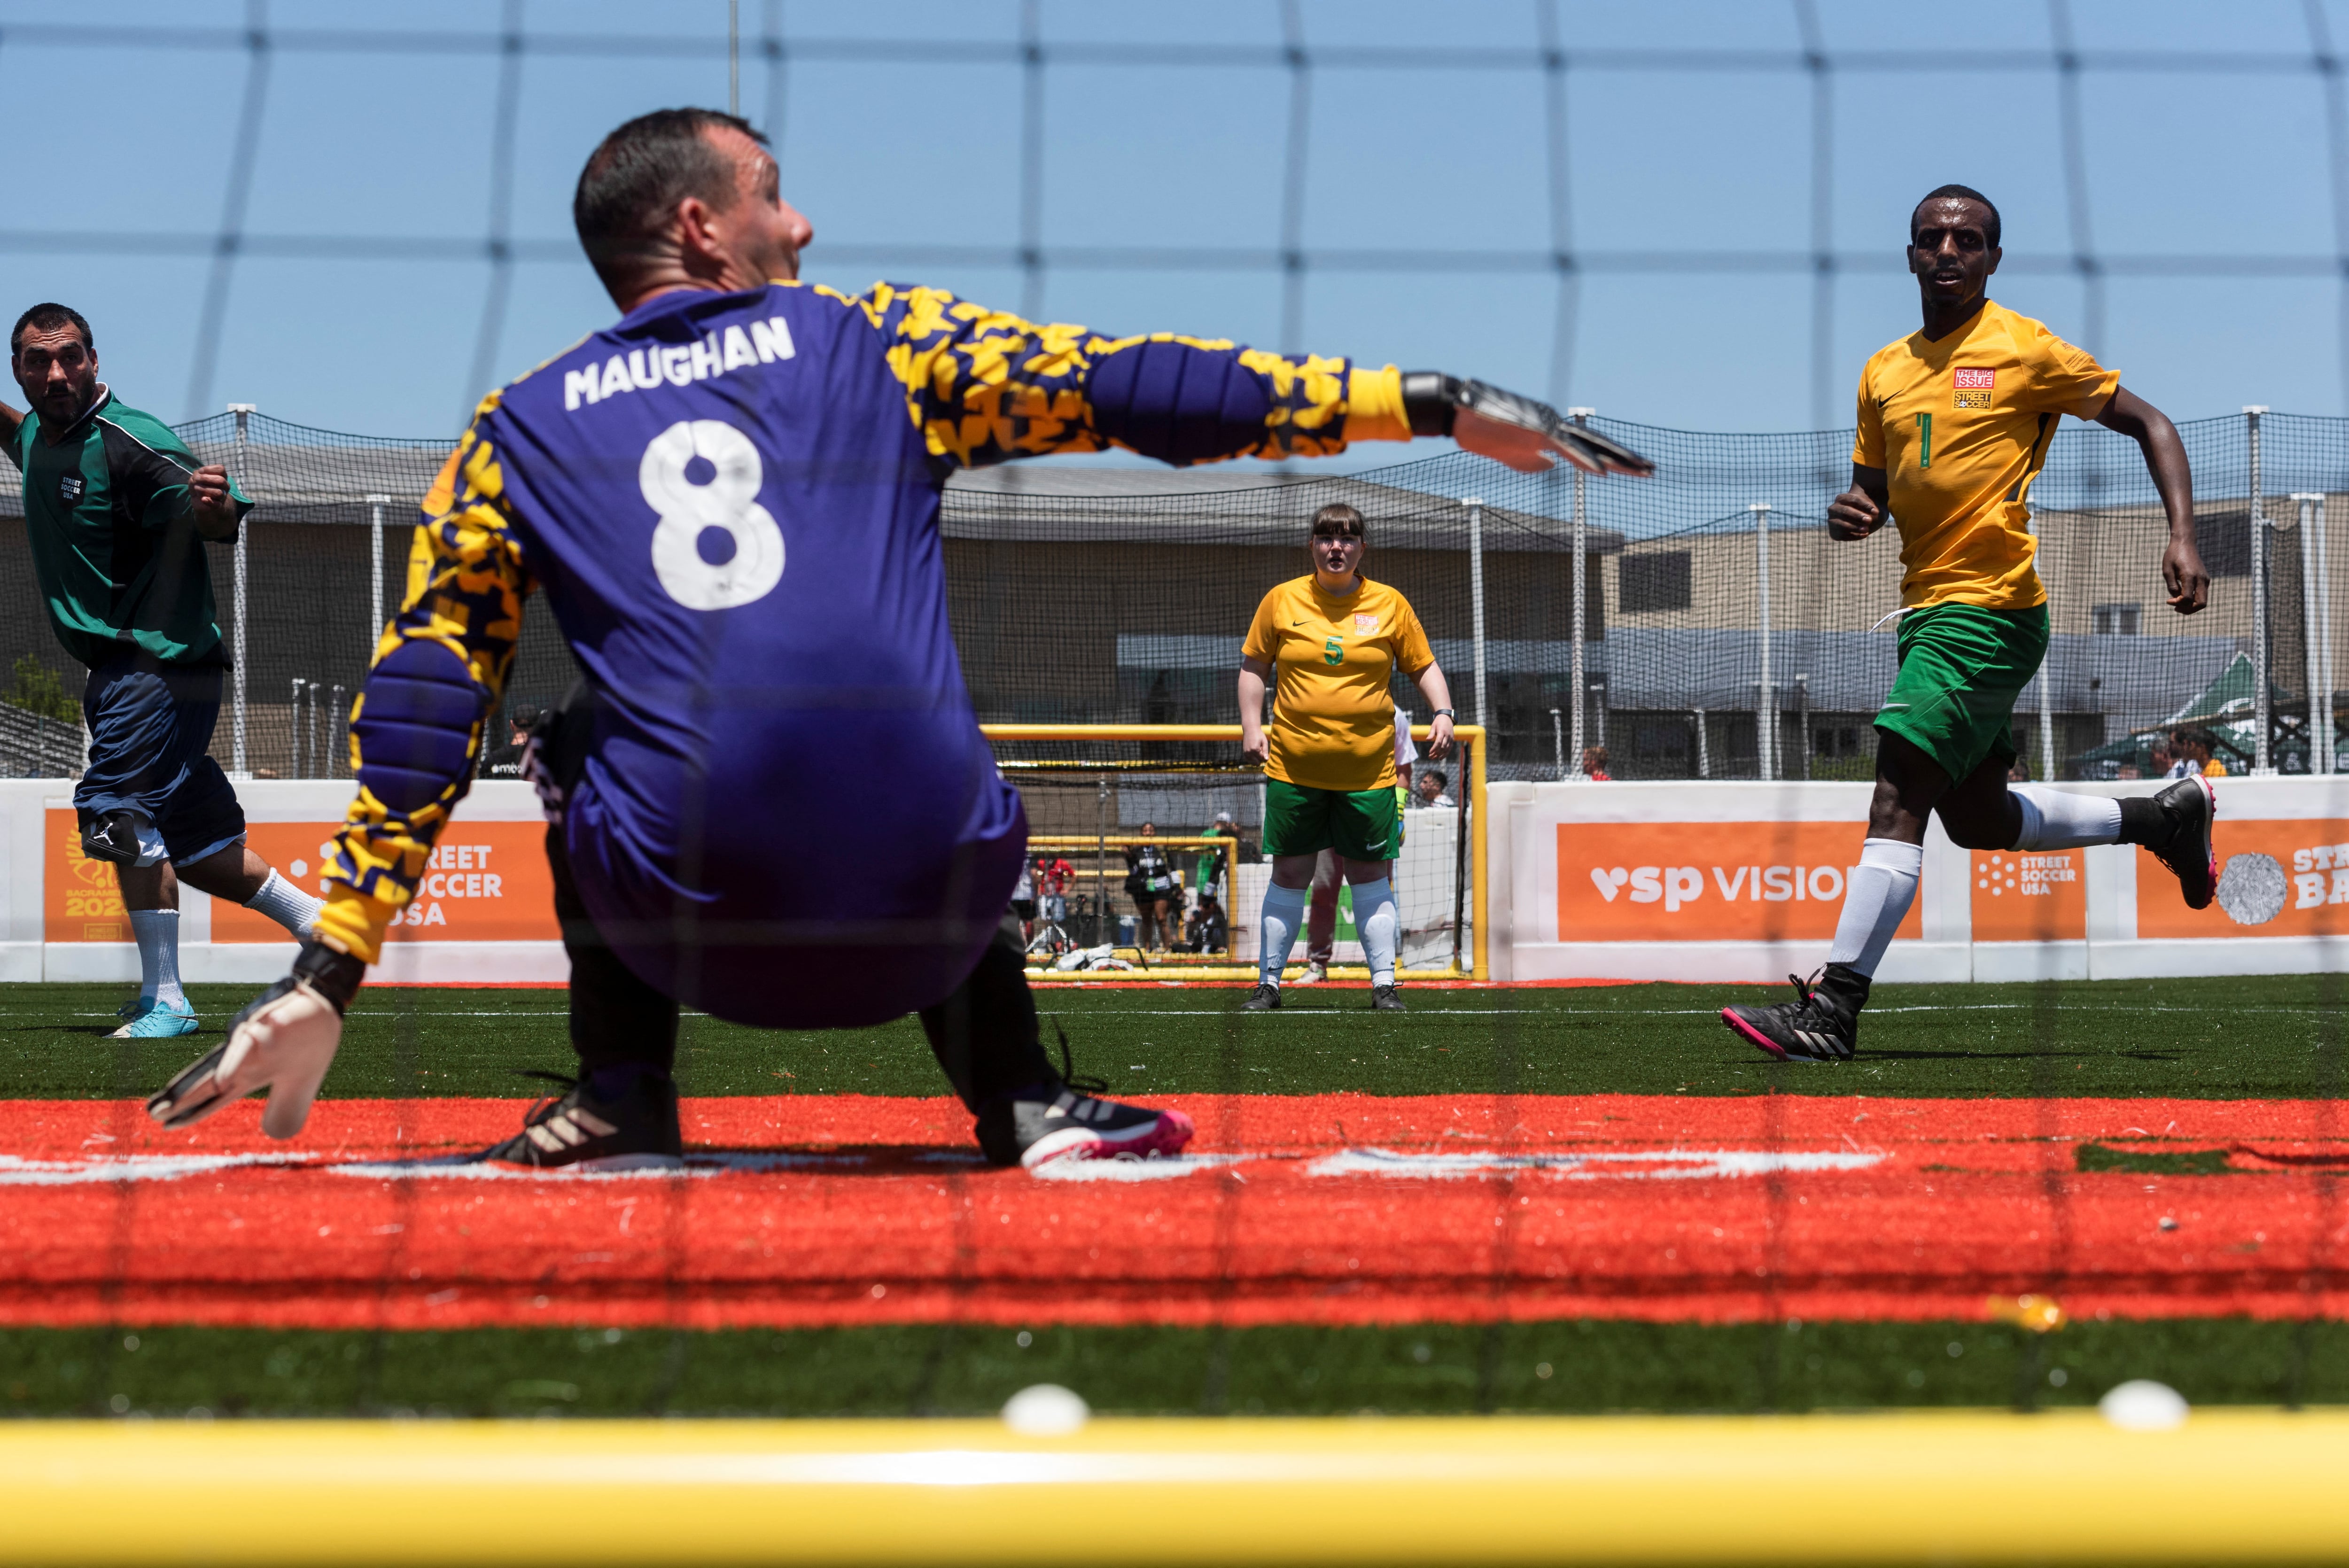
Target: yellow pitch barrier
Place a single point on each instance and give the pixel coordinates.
(1956, 1487)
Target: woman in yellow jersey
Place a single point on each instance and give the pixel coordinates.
(1336, 638)
(1954, 423)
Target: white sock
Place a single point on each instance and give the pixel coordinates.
(2059, 819)
(1380, 923)
(1277, 926)
(157, 932)
(286, 904)
(1876, 896)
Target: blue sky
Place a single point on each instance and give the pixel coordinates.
(1694, 156)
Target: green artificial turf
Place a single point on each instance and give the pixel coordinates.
(1565, 1367)
(2276, 1036)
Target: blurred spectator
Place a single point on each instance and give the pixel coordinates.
(1427, 788)
(1023, 901)
(1052, 878)
(1209, 876)
(2018, 771)
(506, 761)
(2164, 760)
(1594, 763)
(1209, 930)
(2130, 770)
(2197, 749)
(1150, 881)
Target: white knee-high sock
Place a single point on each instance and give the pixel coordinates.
(1876, 896)
(1277, 926)
(157, 932)
(2059, 819)
(1381, 924)
(286, 904)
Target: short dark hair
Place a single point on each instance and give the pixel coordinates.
(636, 176)
(1963, 193)
(1339, 520)
(1434, 773)
(48, 316)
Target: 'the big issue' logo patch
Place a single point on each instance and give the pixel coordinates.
(1974, 386)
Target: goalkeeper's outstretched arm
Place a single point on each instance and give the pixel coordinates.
(985, 385)
(416, 734)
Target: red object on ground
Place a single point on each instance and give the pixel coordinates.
(1333, 1209)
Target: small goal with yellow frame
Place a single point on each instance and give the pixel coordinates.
(1096, 794)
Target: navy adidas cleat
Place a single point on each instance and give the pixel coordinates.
(1821, 1025)
(1061, 1121)
(1263, 999)
(637, 1131)
(1384, 1000)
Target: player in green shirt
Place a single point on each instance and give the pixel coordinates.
(115, 514)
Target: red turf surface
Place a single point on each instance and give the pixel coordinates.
(1336, 1209)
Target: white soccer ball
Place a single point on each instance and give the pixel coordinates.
(1046, 1411)
(2142, 1404)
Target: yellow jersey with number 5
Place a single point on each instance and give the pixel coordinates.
(1333, 721)
(1960, 426)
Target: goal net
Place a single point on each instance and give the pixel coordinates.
(1145, 851)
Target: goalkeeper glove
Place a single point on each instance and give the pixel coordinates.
(1528, 436)
(284, 1042)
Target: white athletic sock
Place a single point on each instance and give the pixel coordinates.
(1277, 926)
(286, 904)
(1876, 896)
(2059, 819)
(1381, 923)
(157, 932)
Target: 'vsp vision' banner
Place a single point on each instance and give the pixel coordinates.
(1705, 882)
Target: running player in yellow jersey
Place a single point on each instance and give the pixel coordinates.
(1954, 423)
(1337, 639)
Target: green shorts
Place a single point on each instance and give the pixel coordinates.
(1360, 824)
(1962, 669)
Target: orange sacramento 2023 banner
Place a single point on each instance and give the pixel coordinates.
(486, 882)
(2276, 877)
(1706, 882)
(2040, 895)
(80, 900)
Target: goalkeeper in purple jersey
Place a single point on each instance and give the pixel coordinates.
(730, 499)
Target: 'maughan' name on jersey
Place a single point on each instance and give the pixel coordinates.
(644, 368)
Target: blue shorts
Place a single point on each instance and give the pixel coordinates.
(148, 730)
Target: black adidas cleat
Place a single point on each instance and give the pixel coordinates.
(637, 1132)
(1061, 1121)
(1384, 1000)
(2179, 837)
(1821, 1025)
(1263, 999)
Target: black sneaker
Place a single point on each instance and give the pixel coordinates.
(1821, 1025)
(1061, 1122)
(637, 1132)
(2179, 838)
(1263, 999)
(1384, 1000)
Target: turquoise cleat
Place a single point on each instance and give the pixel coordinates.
(151, 1019)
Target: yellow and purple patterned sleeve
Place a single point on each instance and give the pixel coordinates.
(984, 387)
(417, 729)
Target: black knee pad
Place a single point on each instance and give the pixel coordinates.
(111, 837)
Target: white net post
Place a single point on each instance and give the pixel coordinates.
(1475, 506)
(2324, 633)
(1703, 751)
(1765, 705)
(1582, 599)
(1557, 742)
(2047, 687)
(2312, 591)
(2260, 762)
(375, 503)
(237, 768)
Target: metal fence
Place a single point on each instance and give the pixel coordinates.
(1722, 634)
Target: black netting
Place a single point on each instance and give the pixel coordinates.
(1088, 595)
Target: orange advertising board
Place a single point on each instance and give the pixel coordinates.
(486, 882)
(1706, 882)
(2038, 896)
(81, 900)
(2284, 878)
